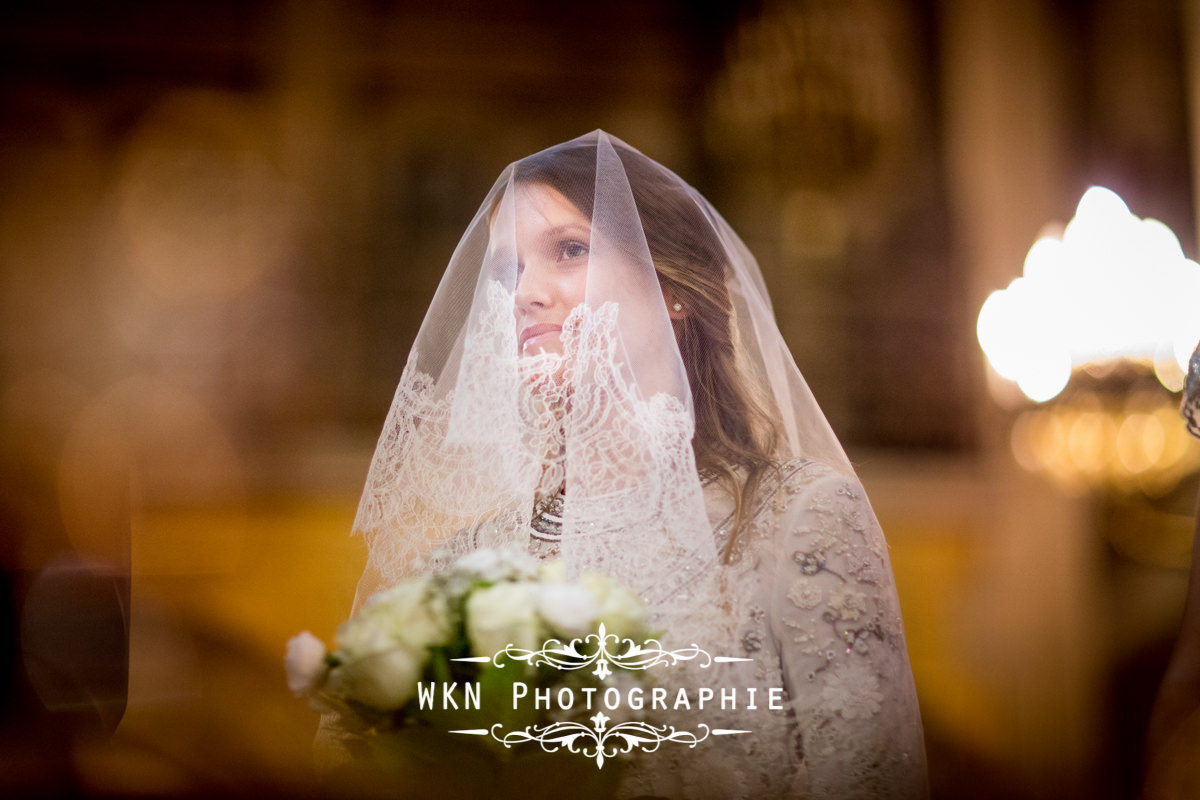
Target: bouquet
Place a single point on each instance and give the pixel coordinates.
(477, 665)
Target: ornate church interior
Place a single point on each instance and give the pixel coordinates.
(221, 223)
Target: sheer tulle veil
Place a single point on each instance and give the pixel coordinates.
(479, 433)
(602, 344)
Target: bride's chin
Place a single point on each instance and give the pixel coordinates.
(543, 369)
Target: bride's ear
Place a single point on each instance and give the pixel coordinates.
(675, 308)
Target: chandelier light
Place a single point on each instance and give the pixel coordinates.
(1113, 286)
(1097, 332)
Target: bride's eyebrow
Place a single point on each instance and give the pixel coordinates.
(577, 228)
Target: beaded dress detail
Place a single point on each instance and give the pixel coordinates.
(545, 529)
(588, 448)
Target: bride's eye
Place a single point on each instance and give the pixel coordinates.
(500, 264)
(571, 249)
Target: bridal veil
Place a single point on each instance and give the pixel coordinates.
(622, 427)
(478, 432)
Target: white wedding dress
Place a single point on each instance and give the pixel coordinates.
(816, 614)
(636, 436)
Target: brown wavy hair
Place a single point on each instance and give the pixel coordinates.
(735, 438)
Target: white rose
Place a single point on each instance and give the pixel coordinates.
(305, 663)
(568, 608)
(399, 599)
(498, 565)
(362, 634)
(415, 616)
(520, 564)
(384, 680)
(480, 563)
(502, 615)
(406, 614)
(553, 571)
(620, 609)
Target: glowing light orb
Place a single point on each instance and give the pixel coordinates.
(1113, 286)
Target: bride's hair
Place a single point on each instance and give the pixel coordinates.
(736, 438)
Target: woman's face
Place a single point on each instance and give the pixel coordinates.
(553, 241)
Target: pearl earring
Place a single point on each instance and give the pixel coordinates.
(678, 306)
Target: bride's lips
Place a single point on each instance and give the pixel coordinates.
(538, 333)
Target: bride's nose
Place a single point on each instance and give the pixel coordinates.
(533, 286)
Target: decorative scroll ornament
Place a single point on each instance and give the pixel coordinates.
(608, 648)
(600, 742)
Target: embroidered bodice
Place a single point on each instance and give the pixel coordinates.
(810, 590)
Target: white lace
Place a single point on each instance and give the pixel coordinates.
(817, 614)
(478, 434)
(627, 457)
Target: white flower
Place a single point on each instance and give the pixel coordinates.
(363, 634)
(482, 563)
(568, 608)
(407, 614)
(384, 680)
(498, 565)
(502, 615)
(554, 571)
(620, 609)
(305, 663)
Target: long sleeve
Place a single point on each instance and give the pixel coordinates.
(836, 622)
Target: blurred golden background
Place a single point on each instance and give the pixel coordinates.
(221, 223)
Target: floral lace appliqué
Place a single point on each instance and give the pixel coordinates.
(852, 690)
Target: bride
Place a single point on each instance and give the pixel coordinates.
(600, 378)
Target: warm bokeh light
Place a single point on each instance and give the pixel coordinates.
(1134, 442)
(200, 209)
(1113, 286)
(221, 225)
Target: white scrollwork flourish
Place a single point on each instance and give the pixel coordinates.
(599, 742)
(602, 649)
